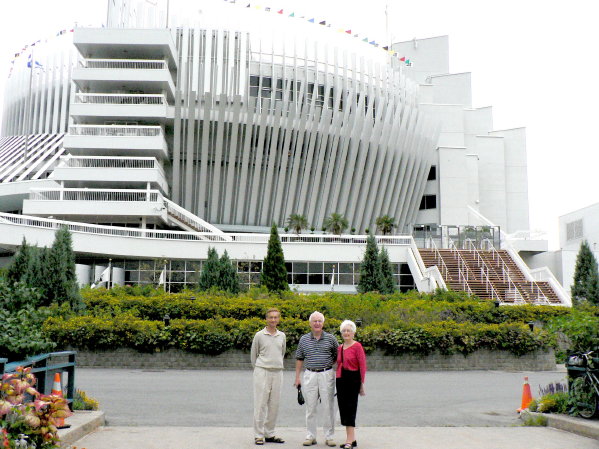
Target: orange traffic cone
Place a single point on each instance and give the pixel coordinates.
(56, 386)
(57, 391)
(526, 395)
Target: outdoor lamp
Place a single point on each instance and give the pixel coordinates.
(167, 320)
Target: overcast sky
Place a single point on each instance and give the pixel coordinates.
(534, 62)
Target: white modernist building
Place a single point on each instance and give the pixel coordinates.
(157, 136)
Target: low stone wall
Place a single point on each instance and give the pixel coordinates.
(377, 361)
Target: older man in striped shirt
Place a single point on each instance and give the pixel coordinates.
(317, 352)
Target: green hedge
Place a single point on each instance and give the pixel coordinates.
(217, 335)
(393, 310)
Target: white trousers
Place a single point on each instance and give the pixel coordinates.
(314, 386)
(267, 393)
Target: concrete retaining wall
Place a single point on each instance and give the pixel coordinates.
(377, 361)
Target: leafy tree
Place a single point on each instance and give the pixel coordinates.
(387, 282)
(59, 272)
(297, 222)
(586, 276)
(274, 272)
(228, 280)
(385, 224)
(335, 223)
(209, 277)
(370, 269)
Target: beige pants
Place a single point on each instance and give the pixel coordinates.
(321, 386)
(267, 393)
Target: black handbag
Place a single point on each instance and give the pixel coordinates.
(300, 396)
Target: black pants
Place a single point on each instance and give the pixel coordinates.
(348, 389)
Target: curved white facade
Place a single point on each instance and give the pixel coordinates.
(250, 130)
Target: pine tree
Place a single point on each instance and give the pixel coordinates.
(228, 280)
(387, 282)
(209, 277)
(586, 276)
(60, 273)
(370, 270)
(20, 267)
(274, 272)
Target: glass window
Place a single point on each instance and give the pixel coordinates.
(344, 279)
(346, 268)
(243, 267)
(132, 265)
(177, 265)
(289, 267)
(315, 267)
(428, 202)
(256, 267)
(329, 267)
(315, 279)
(300, 267)
(300, 278)
(404, 268)
(432, 174)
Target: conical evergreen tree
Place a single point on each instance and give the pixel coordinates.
(274, 272)
(370, 270)
(60, 273)
(387, 282)
(228, 278)
(20, 267)
(586, 276)
(209, 277)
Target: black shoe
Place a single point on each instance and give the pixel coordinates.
(274, 440)
(354, 444)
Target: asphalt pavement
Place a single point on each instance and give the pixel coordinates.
(207, 398)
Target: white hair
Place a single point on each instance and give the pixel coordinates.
(316, 314)
(348, 323)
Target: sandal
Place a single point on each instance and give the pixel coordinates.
(274, 440)
(259, 441)
(347, 446)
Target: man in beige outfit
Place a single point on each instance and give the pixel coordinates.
(268, 350)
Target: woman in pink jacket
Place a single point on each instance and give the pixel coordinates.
(351, 372)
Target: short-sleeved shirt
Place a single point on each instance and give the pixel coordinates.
(318, 353)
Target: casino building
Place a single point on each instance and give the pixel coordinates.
(160, 135)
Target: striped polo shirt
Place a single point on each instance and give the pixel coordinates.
(317, 353)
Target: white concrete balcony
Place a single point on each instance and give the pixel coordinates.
(116, 140)
(98, 171)
(102, 107)
(122, 43)
(95, 202)
(109, 75)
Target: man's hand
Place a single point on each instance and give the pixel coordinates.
(297, 382)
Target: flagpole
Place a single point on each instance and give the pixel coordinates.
(28, 106)
(109, 272)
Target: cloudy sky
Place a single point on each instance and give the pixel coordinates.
(534, 62)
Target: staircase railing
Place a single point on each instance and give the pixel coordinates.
(533, 290)
(484, 271)
(463, 270)
(194, 222)
(439, 259)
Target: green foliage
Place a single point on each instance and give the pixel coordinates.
(209, 277)
(297, 222)
(81, 401)
(17, 295)
(370, 269)
(335, 223)
(385, 224)
(580, 326)
(581, 398)
(553, 403)
(21, 333)
(387, 283)
(60, 276)
(586, 276)
(274, 272)
(535, 421)
(228, 279)
(20, 267)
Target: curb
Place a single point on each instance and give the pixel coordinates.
(583, 427)
(82, 423)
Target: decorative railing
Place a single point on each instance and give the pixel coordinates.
(52, 224)
(192, 221)
(119, 195)
(121, 99)
(135, 64)
(109, 162)
(115, 130)
(439, 259)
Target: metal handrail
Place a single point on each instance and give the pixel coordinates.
(115, 130)
(121, 99)
(109, 162)
(485, 269)
(461, 263)
(196, 223)
(439, 258)
(145, 64)
(119, 195)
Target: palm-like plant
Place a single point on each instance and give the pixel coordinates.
(385, 224)
(297, 222)
(335, 223)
